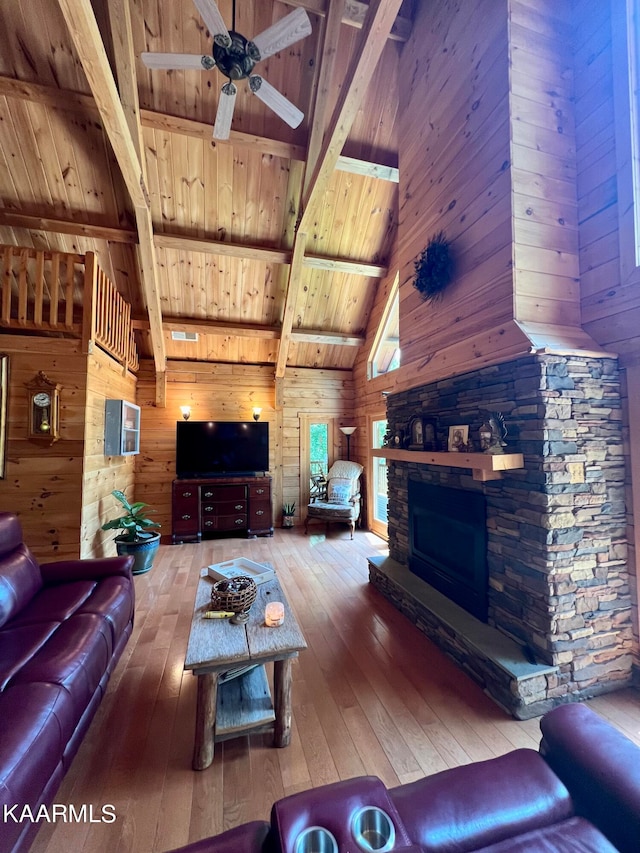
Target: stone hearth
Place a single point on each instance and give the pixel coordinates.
(559, 609)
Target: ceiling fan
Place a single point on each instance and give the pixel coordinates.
(235, 56)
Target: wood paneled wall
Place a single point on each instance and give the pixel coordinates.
(229, 392)
(454, 176)
(61, 492)
(106, 380)
(543, 166)
(43, 484)
(610, 280)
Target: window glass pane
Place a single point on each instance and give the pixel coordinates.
(319, 448)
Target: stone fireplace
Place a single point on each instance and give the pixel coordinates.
(555, 625)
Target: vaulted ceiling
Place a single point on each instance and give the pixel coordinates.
(270, 245)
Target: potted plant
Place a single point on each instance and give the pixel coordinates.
(288, 511)
(137, 538)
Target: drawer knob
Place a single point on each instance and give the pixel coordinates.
(260, 491)
(186, 517)
(208, 509)
(239, 521)
(208, 524)
(238, 506)
(260, 512)
(208, 494)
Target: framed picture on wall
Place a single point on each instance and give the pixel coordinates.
(4, 400)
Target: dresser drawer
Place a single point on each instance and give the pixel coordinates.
(224, 507)
(258, 491)
(223, 493)
(212, 523)
(260, 510)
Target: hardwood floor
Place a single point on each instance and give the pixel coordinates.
(370, 695)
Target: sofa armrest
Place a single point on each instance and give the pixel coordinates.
(600, 767)
(72, 570)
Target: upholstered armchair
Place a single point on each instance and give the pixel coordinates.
(342, 500)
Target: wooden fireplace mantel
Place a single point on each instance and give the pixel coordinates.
(485, 466)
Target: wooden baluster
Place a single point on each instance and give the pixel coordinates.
(7, 256)
(68, 293)
(39, 289)
(55, 289)
(22, 287)
(89, 300)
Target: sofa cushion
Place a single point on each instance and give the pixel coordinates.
(31, 746)
(76, 657)
(20, 644)
(54, 603)
(112, 601)
(470, 807)
(20, 580)
(575, 835)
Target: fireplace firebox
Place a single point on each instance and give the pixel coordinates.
(448, 543)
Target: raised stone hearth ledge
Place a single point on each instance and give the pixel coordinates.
(499, 665)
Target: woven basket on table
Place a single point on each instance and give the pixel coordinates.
(235, 595)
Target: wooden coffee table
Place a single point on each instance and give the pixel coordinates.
(217, 647)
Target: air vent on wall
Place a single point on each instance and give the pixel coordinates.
(184, 336)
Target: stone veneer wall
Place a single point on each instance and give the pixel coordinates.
(558, 581)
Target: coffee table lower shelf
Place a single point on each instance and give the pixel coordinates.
(244, 705)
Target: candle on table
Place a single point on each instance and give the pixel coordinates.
(274, 614)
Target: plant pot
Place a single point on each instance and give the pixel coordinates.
(143, 552)
(287, 521)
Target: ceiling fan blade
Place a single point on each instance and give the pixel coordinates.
(177, 60)
(222, 127)
(293, 27)
(275, 100)
(210, 14)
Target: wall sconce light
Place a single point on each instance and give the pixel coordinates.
(186, 412)
(348, 431)
(257, 411)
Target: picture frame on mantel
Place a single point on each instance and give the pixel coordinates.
(4, 401)
(422, 433)
(458, 437)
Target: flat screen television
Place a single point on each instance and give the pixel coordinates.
(219, 448)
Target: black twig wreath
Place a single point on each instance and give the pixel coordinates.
(434, 268)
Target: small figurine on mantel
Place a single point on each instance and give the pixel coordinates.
(493, 433)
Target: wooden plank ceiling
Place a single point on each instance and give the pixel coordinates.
(270, 246)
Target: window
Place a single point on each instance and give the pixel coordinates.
(378, 498)
(318, 449)
(385, 352)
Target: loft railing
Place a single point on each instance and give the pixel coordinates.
(43, 291)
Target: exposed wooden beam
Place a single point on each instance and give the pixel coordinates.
(217, 247)
(374, 36)
(67, 226)
(180, 242)
(83, 28)
(64, 99)
(214, 327)
(329, 41)
(269, 256)
(371, 170)
(354, 16)
(295, 282)
(309, 336)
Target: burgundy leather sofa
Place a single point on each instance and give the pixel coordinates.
(63, 627)
(580, 793)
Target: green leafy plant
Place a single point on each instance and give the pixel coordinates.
(434, 268)
(289, 509)
(134, 522)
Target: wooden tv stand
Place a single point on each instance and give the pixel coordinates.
(219, 506)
